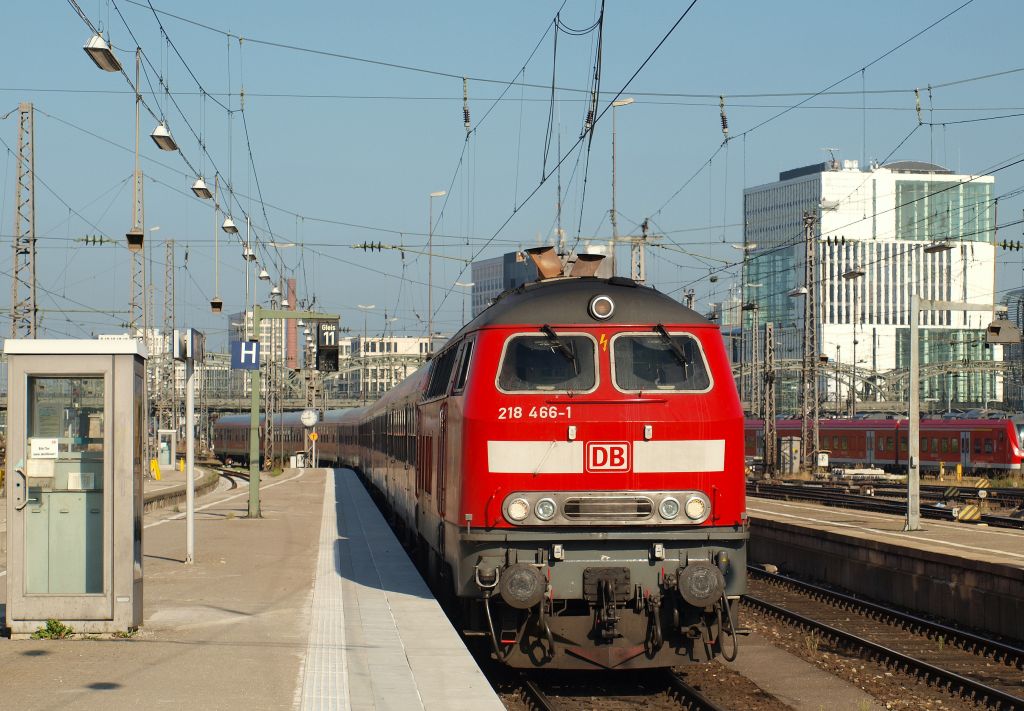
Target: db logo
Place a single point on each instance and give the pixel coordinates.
(607, 457)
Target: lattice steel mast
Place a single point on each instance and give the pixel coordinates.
(809, 365)
(771, 452)
(168, 416)
(24, 314)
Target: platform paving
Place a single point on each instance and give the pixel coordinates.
(229, 632)
(379, 639)
(316, 606)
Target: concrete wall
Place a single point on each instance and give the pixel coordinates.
(984, 597)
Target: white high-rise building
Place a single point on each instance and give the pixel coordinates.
(881, 234)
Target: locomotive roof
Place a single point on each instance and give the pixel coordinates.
(565, 300)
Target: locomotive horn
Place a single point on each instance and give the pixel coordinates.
(586, 265)
(546, 260)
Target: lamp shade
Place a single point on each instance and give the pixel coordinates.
(162, 138)
(264, 275)
(201, 189)
(101, 54)
(229, 226)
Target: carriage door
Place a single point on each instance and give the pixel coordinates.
(965, 450)
(869, 446)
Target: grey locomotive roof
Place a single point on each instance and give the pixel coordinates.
(565, 300)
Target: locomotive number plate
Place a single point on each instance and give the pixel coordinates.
(543, 412)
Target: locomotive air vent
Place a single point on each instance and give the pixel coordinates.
(607, 508)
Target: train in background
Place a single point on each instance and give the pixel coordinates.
(983, 447)
(569, 468)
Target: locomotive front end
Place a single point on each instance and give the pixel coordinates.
(607, 500)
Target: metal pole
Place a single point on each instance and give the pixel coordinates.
(853, 378)
(254, 426)
(190, 459)
(614, 216)
(430, 278)
(914, 423)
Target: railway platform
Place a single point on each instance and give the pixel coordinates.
(969, 574)
(307, 608)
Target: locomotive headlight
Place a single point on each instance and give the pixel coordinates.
(518, 509)
(696, 508)
(601, 307)
(545, 509)
(668, 508)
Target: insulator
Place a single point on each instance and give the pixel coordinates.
(465, 103)
(917, 106)
(725, 120)
(465, 117)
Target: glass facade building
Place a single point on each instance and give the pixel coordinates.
(881, 235)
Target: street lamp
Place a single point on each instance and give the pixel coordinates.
(854, 273)
(101, 54)
(162, 138)
(201, 189)
(614, 214)
(430, 270)
(464, 285)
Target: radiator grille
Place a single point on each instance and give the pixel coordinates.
(604, 508)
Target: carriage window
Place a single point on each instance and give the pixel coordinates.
(657, 362)
(954, 445)
(988, 446)
(540, 362)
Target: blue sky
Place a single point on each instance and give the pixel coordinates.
(347, 152)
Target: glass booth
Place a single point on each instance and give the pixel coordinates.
(75, 461)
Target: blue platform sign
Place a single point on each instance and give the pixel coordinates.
(245, 355)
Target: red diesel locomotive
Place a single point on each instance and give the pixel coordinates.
(570, 466)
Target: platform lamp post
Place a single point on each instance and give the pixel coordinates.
(613, 213)
(850, 276)
(430, 271)
(465, 285)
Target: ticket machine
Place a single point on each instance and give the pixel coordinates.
(75, 460)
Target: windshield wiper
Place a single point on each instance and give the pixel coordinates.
(558, 345)
(673, 346)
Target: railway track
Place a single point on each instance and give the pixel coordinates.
(655, 689)
(860, 502)
(980, 669)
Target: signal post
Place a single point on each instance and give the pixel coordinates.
(259, 314)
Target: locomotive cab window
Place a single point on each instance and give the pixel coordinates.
(659, 361)
(548, 361)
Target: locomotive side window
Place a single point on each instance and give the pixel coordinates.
(659, 362)
(538, 362)
(463, 373)
(440, 374)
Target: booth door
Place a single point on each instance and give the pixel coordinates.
(60, 450)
